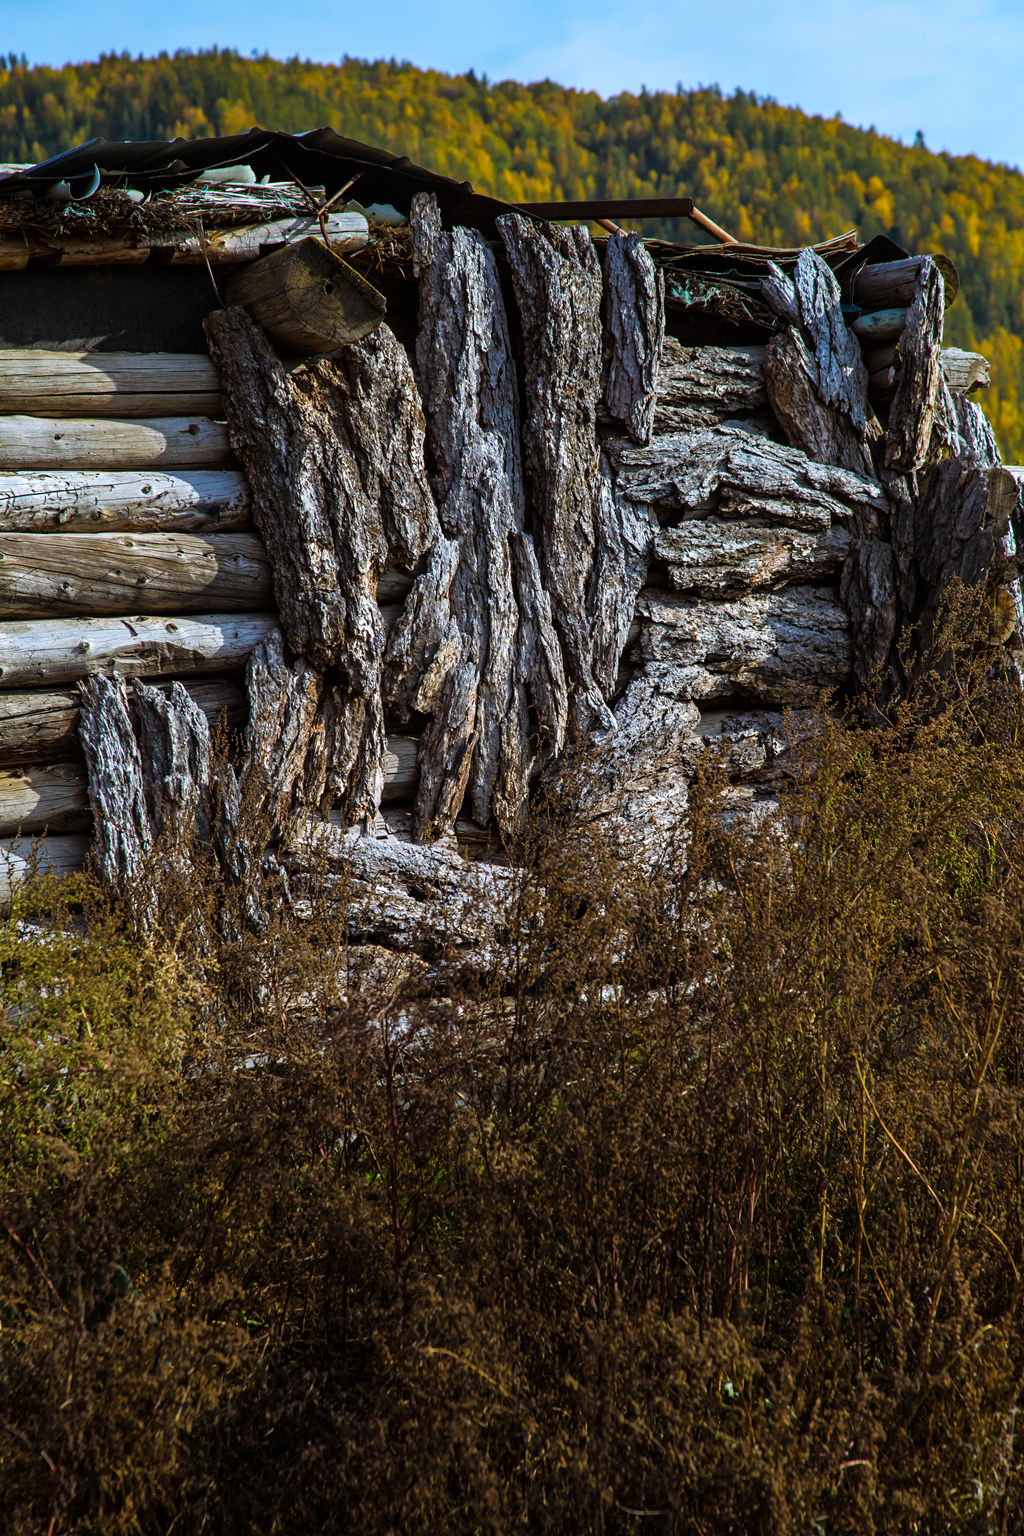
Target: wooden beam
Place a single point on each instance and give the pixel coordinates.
(177, 442)
(43, 727)
(112, 501)
(108, 573)
(307, 299)
(892, 284)
(44, 653)
(120, 384)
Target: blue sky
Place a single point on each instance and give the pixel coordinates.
(953, 68)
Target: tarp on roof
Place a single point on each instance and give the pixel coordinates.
(320, 158)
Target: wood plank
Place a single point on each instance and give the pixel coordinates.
(121, 384)
(48, 652)
(109, 573)
(175, 442)
(113, 501)
(307, 299)
(43, 727)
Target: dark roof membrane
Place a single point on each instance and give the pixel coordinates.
(319, 158)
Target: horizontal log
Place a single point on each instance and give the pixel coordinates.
(21, 859)
(174, 442)
(709, 556)
(122, 384)
(44, 797)
(892, 284)
(42, 652)
(881, 325)
(112, 501)
(346, 232)
(780, 648)
(965, 371)
(107, 573)
(43, 727)
(962, 371)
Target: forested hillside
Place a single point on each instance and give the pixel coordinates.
(767, 172)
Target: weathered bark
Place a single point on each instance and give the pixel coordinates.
(104, 573)
(908, 431)
(701, 386)
(378, 402)
(43, 727)
(446, 749)
(709, 556)
(633, 782)
(281, 752)
(174, 738)
(121, 384)
(781, 648)
(634, 322)
(322, 532)
(735, 474)
(468, 386)
(425, 642)
(123, 833)
(814, 373)
(49, 652)
(557, 284)
(792, 383)
(868, 592)
(174, 442)
(53, 796)
(205, 501)
(424, 900)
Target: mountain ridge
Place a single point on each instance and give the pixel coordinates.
(767, 172)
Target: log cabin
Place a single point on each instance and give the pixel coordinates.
(413, 491)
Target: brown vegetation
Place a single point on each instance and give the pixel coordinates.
(700, 1209)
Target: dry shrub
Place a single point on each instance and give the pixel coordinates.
(702, 1212)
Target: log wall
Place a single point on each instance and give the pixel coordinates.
(409, 583)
